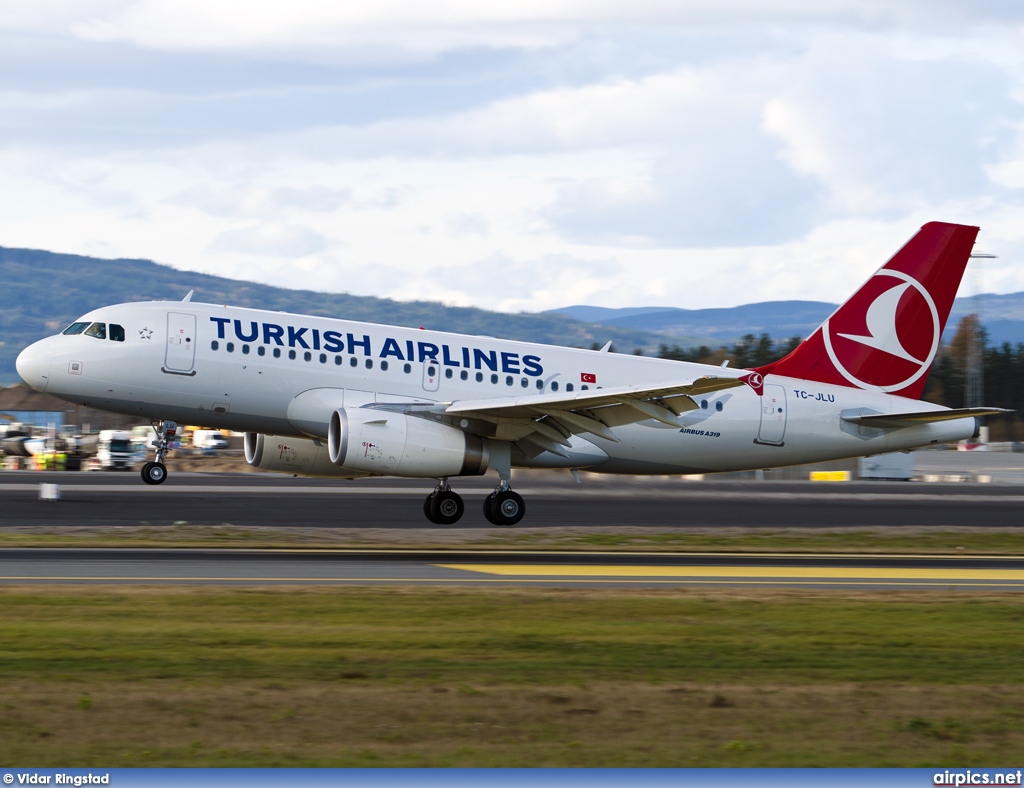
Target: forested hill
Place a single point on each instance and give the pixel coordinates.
(41, 292)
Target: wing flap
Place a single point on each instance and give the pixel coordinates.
(597, 411)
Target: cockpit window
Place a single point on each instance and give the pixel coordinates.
(75, 328)
(98, 330)
(116, 332)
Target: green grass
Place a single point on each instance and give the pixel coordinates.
(395, 676)
(931, 540)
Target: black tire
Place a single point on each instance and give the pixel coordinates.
(426, 508)
(154, 473)
(446, 507)
(487, 509)
(506, 508)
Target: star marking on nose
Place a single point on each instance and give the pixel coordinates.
(145, 333)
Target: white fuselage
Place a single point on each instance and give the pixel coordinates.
(245, 369)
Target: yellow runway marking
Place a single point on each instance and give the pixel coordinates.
(808, 572)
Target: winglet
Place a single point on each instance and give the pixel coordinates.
(188, 297)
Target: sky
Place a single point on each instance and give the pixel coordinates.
(516, 156)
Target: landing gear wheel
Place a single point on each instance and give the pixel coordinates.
(154, 473)
(446, 507)
(426, 507)
(487, 508)
(504, 507)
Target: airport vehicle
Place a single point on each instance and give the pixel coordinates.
(209, 439)
(115, 451)
(325, 397)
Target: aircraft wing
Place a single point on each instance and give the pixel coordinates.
(897, 420)
(598, 411)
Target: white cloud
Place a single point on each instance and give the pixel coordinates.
(514, 155)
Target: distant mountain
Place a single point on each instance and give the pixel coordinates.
(1002, 316)
(41, 292)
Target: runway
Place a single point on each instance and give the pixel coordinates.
(108, 499)
(506, 568)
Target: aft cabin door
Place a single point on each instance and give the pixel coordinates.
(181, 343)
(773, 415)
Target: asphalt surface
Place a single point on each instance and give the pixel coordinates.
(121, 499)
(296, 567)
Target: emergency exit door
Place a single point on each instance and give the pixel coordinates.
(181, 343)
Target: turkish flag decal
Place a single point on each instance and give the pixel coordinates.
(587, 377)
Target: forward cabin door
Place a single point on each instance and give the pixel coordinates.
(773, 415)
(181, 344)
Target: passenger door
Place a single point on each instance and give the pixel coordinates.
(773, 415)
(181, 344)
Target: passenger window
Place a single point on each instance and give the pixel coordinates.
(307, 356)
(353, 362)
(214, 345)
(568, 387)
(369, 363)
(75, 328)
(479, 377)
(448, 373)
(98, 330)
(323, 358)
(116, 332)
(554, 385)
(337, 361)
(584, 387)
(277, 352)
(703, 404)
(384, 366)
(291, 354)
(540, 384)
(230, 347)
(494, 378)
(524, 382)
(718, 406)
(407, 369)
(245, 350)
(464, 375)
(261, 351)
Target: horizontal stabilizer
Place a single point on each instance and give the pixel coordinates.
(897, 420)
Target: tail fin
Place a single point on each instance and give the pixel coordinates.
(885, 337)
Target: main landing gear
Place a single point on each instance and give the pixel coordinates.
(443, 506)
(156, 472)
(502, 507)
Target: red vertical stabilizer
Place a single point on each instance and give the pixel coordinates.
(885, 337)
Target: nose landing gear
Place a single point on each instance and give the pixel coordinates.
(156, 472)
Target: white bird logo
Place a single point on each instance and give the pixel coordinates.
(881, 323)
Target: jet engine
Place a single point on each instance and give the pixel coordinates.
(393, 444)
(298, 456)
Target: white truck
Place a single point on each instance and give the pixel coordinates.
(115, 450)
(209, 439)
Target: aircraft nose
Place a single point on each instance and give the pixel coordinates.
(33, 365)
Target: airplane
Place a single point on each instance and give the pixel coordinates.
(317, 396)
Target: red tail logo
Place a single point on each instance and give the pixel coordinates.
(886, 336)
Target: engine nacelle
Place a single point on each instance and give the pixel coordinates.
(393, 444)
(298, 456)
